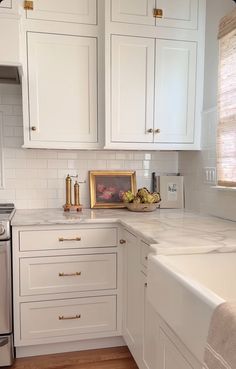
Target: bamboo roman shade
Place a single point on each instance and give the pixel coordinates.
(226, 134)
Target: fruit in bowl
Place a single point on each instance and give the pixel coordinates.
(144, 200)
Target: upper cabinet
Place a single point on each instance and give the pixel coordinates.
(61, 49)
(73, 11)
(62, 88)
(154, 74)
(164, 13)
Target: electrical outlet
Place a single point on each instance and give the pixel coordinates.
(210, 175)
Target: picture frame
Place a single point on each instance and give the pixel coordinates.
(172, 192)
(107, 186)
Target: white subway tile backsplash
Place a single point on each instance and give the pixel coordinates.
(35, 178)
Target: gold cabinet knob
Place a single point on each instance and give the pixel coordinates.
(33, 128)
(157, 130)
(122, 242)
(158, 13)
(150, 130)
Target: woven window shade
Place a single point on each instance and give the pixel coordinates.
(226, 133)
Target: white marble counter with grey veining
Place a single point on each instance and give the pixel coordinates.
(169, 231)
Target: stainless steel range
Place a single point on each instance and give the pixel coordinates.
(6, 335)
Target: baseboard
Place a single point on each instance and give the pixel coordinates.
(61, 347)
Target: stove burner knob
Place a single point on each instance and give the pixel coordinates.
(2, 230)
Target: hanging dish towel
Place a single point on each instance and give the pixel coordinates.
(220, 352)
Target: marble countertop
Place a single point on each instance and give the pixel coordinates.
(169, 231)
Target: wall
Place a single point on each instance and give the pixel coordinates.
(199, 195)
(36, 178)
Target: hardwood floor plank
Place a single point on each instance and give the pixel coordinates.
(111, 358)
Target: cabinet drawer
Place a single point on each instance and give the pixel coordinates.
(67, 239)
(68, 317)
(67, 274)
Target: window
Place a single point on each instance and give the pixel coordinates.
(226, 135)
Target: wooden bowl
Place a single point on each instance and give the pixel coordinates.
(142, 207)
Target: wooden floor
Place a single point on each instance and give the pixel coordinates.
(112, 358)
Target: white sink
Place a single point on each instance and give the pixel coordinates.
(185, 290)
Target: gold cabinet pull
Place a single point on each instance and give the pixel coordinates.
(62, 239)
(76, 274)
(28, 5)
(122, 242)
(157, 130)
(33, 128)
(145, 284)
(158, 13)
(146, 258)
(150, 130)
(62, 317)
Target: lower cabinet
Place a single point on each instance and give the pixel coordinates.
(170, 356)
(48, 319)
(66, 294)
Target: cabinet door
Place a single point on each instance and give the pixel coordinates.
(132, 88)
(133, 293)
(170, 356)
(151, 340)
(178, 13)
(62, 88)
(73, 11)
(175, 91)
(133, 11)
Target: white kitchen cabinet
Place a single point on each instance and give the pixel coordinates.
(133, 292)
(175, 14)
(175, 91)
(132, 88)
(64, 294)
(62, 90)
(138, 115)
(73, 11)
(170, 356)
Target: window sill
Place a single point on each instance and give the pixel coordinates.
(224, 188)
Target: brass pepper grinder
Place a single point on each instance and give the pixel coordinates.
(68, 193)
(76, 193)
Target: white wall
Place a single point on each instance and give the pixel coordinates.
(36, 178)
(199, 195)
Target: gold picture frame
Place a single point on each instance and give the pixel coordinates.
(106, 187)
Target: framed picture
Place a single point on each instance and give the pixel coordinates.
(107, 187)
(172, 192)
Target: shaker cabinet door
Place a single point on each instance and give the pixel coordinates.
(175, 91)
(132, 88)
(62, 84)
(133, 11)
(178, 13)
(73, 11)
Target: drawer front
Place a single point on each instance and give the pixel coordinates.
(145, 250)
(68, 317)
(67, 239)
(67, 274)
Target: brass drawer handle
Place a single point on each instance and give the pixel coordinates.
(77, 274)
(150, 130)
(62, 239)
(122, 242)
(158, 13)
(157, 130)
(33, 128)
(62, 317)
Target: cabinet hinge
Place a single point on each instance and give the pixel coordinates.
(29, 5)
(157, 13)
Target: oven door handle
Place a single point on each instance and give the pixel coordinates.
(4, 341)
